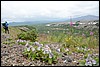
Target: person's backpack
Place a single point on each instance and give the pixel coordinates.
(4, 24)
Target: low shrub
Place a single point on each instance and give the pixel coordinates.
(29, 35)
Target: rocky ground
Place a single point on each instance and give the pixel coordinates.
(12, 56)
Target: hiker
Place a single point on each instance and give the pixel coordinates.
(5, 26)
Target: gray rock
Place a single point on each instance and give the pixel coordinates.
(4, 46)
(67, 59)
(4, 54)
(30, 63)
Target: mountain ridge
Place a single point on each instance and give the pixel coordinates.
(81, 18)
(86, 18)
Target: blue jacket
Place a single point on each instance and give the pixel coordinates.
(6, 24)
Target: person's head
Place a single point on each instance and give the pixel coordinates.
(5, 21)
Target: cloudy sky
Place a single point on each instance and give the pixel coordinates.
(44, 10)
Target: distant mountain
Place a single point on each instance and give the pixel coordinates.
(34, 22)
(86, 18)
(22, 23)
(82, 18)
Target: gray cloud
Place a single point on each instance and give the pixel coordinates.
(38, 10)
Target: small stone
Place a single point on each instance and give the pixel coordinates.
(13, 58)
(52, 64)
(13, 64)
(74, 61)
(4, 54)
(64, 61)
(68, 59)
(4, 46)
(23, 63)
(14, 46)
(32, 65)
(58, 50)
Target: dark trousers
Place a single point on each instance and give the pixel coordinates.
(6, 29)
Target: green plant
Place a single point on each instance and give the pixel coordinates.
(6, 42)
(31, 43)
(9, 42)
(97, 59)
(22, 43)
(29, 35)
(81, 62)
(63, 48)
(39, 55)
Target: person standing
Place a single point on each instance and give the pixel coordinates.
(5, 26)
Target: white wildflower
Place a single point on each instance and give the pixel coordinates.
(24, 40)
(89, 63)
(58, 50)
(78, 48)
(64, 61)
(21, 40)
(18, 40)
(47, 52)
(28, 49)
(38, 48)
(42, 48)
(41, 44)
(72, 53)
(33, 49)
(85, 49)
(93, 61)
(26, 44)
(44, 52)
(88, 49)
(67, 49)
(47, 48)
(50, 55)
(36, 43)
